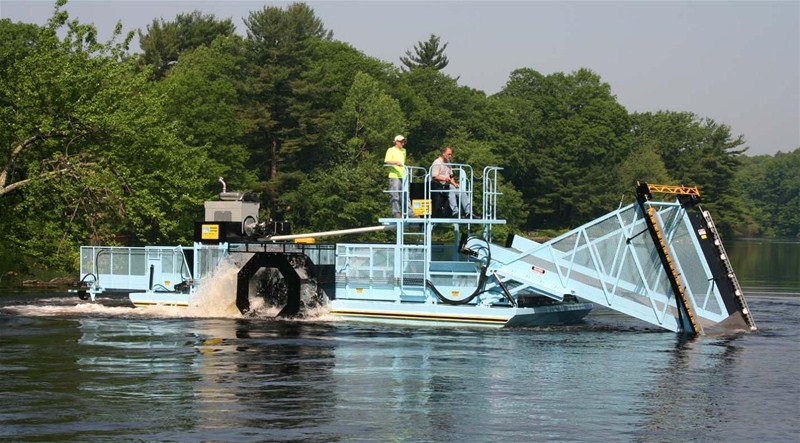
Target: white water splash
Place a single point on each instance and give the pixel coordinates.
(216, 295)
(73, 307)
(320, 313)
(214, 298)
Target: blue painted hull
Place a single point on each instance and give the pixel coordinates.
(467, 315)
(418, 313)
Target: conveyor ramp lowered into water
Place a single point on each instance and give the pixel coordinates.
(660, 262)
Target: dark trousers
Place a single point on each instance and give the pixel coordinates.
(439, 195)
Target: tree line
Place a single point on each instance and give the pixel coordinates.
(100, 144)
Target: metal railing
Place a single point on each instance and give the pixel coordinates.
(132, 268)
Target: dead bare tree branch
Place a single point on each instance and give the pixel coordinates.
(15, 153)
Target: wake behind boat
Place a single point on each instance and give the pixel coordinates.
(660, 262)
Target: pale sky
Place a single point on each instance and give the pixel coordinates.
(735, 62)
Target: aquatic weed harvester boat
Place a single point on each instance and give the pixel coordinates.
(660, 262)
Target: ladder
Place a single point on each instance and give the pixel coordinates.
(490, 194)
(413, 240)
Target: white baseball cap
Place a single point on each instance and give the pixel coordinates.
(399, 138)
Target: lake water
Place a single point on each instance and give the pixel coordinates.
(74, 371)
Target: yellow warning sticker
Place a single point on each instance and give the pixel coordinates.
(210, 232)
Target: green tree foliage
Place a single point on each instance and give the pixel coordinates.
(346, 196)
(50, 93)
(772, 185)
(281, 107)
(643, 165)
(369, 118)
(698, 152)
(202, 100)
(437, 108)
(333, 69)
(16, 41)
(356, 120)
(783, 176)
(347, 184)
(692, 148)
(427, 54)
(573, 136)
(165, 41)
(86, 150)
(333, 66)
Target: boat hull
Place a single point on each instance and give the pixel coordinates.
(467, 315)
(426, 314)
(145, 299)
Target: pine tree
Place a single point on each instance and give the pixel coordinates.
(427, 54)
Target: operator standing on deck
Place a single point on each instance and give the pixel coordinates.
(396, 157)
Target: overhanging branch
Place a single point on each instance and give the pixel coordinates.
(43, 176)
(16, 152)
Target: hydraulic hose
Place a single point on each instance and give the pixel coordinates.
(481, 280)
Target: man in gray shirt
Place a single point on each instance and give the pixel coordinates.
(442, 178)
